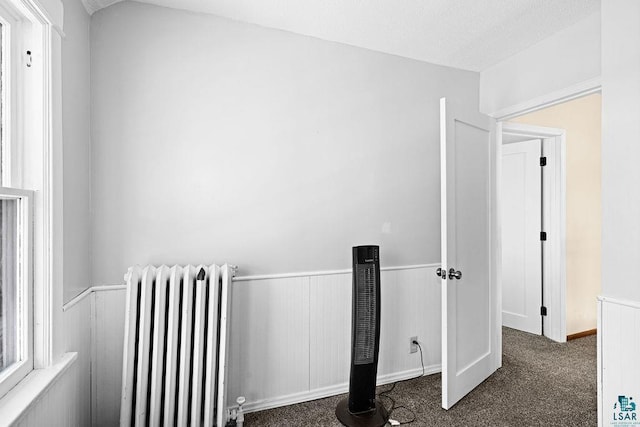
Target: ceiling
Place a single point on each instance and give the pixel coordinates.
(466, 34)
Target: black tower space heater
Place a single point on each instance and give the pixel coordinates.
(361, 407)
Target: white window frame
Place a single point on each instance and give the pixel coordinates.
(24, 287)
(33, 160)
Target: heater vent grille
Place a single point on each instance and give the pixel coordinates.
(365, 325)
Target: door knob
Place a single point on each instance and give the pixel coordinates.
(453, 274)
(441, 273)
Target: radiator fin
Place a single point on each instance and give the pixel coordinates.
(158, 346)
(197, 375)
(175, 343)
(173, 335)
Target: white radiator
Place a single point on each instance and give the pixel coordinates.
(175, 346)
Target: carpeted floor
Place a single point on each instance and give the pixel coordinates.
(541, 383)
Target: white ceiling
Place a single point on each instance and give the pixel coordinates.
(467, 34)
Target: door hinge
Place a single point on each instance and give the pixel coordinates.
(543, 311)
(543, 235)
(543, 161)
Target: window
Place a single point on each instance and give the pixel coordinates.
(16, 347)
(16, 218)
(31, 182)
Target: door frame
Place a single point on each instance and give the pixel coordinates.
(554, 219)
(568, 93)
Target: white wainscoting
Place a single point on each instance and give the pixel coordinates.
(269, 356)
(78, 339)
(618, 356)
(290, 336)
(107, 323)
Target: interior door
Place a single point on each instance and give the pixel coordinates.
(471, 331)
(521, 201)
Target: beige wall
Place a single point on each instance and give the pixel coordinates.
(581, 119)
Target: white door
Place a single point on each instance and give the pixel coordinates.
(521, 200)
(471, 331)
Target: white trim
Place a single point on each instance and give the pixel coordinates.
(94, 364)
(43, 245)
(334, 390)
(555, 223)
(520, 129)
(496, 243)
(114, 287)
(324, 273)
(625, 302)
(554, 218)
(108, 287)
(77, 299)
(578, 90)
(82, 295)
(118, 287)
(52, 11)
(18, 401)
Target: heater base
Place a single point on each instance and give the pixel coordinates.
(376, 418)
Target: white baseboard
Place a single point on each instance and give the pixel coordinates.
(333, 390)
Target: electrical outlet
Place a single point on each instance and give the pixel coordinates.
(413, 347)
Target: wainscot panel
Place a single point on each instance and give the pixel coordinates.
(291, 336)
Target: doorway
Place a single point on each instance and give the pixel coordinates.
(533, 281)
(570, 214)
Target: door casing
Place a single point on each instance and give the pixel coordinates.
(553, 218)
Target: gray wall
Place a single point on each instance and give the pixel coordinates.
(563, 60)
(77, 148)
(214, 140)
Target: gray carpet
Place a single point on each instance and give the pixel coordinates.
(541, 383)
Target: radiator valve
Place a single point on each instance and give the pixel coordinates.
(236, 414)
(240, 414)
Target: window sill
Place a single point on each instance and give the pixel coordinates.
(20, 398)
